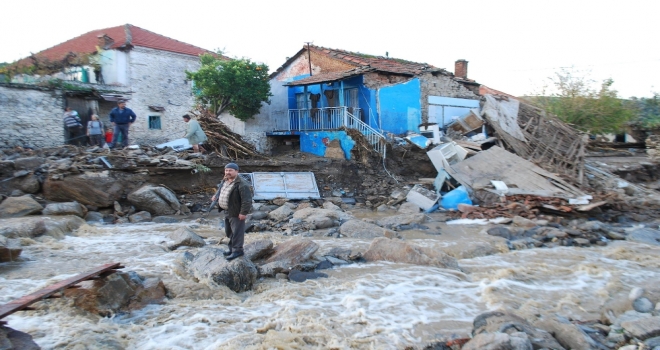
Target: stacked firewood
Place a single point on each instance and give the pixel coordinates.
(221, 139)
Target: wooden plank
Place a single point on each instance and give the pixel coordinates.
(23, 302)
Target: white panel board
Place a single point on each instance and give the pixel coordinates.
(298, 185)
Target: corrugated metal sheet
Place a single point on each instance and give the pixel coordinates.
(301, 185)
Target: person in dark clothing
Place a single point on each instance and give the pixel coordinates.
(121, 118)
(73, 127)
(235, 198)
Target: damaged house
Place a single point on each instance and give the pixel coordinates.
(90, 73)
(319, 91)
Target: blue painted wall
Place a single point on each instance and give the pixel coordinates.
(400, 109)
(315, 142)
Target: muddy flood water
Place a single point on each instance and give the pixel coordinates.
(359, 306)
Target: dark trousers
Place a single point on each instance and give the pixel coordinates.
(123, 129)
(235, 231)
(96, 140)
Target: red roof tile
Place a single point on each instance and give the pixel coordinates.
(123, 36)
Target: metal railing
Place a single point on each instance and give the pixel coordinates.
(333, 118)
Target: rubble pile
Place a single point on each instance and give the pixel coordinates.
(653, 147)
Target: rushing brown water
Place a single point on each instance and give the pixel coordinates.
(360, 306)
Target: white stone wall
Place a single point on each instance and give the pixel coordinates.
(30, 117)
(444, 86)
(158, 78)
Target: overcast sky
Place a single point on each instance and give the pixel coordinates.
(513, 46)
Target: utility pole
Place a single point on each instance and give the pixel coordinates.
(309, 57)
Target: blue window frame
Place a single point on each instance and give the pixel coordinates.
(154, 122)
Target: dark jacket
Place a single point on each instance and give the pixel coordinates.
(240, 198)
(122, 116)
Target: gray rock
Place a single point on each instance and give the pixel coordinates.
(344, 254)
(593, 226)
(16, 193)
(329, 205)
(94, 216)
(505, 322)
(525, 243)
(258, 249)
(30, 184)
(165, 220)
(409, 208)
(361, 229)
(499, 341)
(643, 305)
(10, 249)
(398, 251)
(318, 218)
(156, 200)
(302, 276)
(288, 255)
(239, 275)
(259, 215)
(29, 164)
(523, 222)
(13, 207)
(184, 237)
(652, 342)
(582, 242)
(614, 235)
(13, 339)
(500, 231)
(644, 235)
(567, 334)
(643, 328)
(70, 208)
(403, 219)
(280, 214)
(335, 261)
(34, 226)
(141, 216)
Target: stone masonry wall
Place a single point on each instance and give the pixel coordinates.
(441, 85)
(158, 78)
(30, 117)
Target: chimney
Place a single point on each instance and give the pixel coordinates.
(460, 69)
(104, 41)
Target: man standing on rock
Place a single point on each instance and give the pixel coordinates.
(121, 118)
(235, 198)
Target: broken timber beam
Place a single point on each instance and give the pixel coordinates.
(24, 302)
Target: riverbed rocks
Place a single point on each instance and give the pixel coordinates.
(361, 229)
(13, 207)
(35, 226)
(100, 189)
(499, 341)
(141, 216)
(239, 275)
(13, 339)
(280, 214)
(645, 235)
(500, 321)
(258, 249)
(184, 237)
(119, 292)
(157, 200)
(10, 249)
(288, 255)
(402, 252)
(68, 208)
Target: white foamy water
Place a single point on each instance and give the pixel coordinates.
(361, 306)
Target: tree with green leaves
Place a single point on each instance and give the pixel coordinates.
(237, 86)
(576, 101)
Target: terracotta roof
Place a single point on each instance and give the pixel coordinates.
(485, 90)
(330, 77)
(124, 36)
(379, 63)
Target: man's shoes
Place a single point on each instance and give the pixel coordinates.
(227, 253)
(234, 255)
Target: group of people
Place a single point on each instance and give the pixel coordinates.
(121, 118)
(234, 195)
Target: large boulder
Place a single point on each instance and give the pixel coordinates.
(29, 163)
(409, 208)
(321, 218)
(288, 255)
(13, 339)
(70, 208)
(184, 237)
(402, 219)
(100, 189)
(506, 322)
(645, 235)
(34, 226)
(121, 291)
(155, 199)
(281, 213)
(14, 207)
(567, 334)
(10, 249)
(643, 328)
(499, 341)
(362, 229)
(239, 275)
(30, 184)
(258, 249)
(401, 252)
